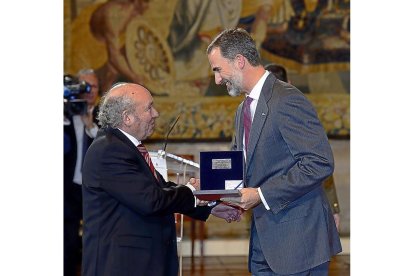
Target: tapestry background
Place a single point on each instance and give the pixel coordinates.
(162, 45)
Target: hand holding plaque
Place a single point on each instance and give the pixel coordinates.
(249, 199)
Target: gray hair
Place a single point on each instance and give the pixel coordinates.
(112, 107)
(233, 42)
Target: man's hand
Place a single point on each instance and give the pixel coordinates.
(249, 199)
(226, 212)
(195, 182)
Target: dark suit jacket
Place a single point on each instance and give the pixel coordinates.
(288, 157)
(129, 226)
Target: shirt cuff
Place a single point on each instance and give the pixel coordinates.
(213, 203)
(263, 199)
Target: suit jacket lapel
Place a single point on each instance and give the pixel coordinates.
(257, 126)
(260, 117)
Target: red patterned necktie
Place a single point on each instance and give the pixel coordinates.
(247, 120)
(147, 158)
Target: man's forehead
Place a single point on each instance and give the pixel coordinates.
(216, 59)
(215, 52)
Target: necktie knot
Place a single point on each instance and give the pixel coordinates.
(142, 149)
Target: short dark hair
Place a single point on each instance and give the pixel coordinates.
(232, 42)
(277, 70)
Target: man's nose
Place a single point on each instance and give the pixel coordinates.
(155, 114)
(217, 78)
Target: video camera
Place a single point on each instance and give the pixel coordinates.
(72, 89)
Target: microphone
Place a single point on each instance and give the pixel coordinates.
(169, 131)
(163, 154)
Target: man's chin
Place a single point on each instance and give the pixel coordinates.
(151, 131)
(233, 93)
(146, 136)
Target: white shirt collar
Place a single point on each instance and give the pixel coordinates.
(132, 138)
(255, 93)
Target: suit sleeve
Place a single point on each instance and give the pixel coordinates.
(127, 178)
(199, 213)
(309, 159)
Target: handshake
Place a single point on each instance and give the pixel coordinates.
(222, 209)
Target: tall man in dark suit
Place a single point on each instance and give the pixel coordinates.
(79, 132)
(287, 157)
(128, 210)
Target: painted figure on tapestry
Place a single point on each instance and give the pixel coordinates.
(161, 44)
(108, 24)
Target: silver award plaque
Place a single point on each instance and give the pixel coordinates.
(221, 164)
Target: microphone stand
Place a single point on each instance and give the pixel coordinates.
(164, 154)
(182, 168)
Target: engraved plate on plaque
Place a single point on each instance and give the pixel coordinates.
(221, 164)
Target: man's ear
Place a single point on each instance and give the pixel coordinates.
(126, 119)
(240, 61)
